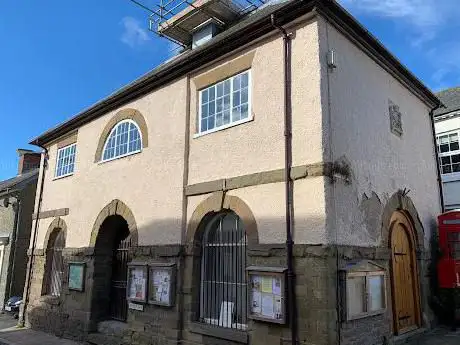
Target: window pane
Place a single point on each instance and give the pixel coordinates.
(444, 139)
(211, 122)
(446, 169)
(204, 125)
(244, 111)
(455, 167)
(356, 295)
(444, 148)
(219, 120)
(226, 117)
(220, 89)
(376, 293)
(236, 114)
(236, 82)
(454, 146)
(212, 108)
(244, 95)
(244, 79)
(236, 99)
(204, 110)
(211, 92)
(453, 137)
(227, 86)
(445, 160)
(204, 96)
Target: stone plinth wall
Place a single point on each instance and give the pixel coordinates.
(76, 315)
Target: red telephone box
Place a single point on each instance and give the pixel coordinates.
(449, 243)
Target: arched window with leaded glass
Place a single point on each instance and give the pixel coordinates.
(223, 297)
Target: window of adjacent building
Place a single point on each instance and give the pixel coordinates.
(55, 263)
(449, 153)
(223, 273)
(124, 139)
(225, 103)
(65, 164)
(365, 294)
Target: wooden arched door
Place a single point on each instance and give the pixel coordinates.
(404, 277)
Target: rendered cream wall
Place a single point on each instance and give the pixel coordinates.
(381, 162)
(149, 183)
(267, 203)
(259, 145)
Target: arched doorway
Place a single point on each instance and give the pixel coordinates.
(112, 255)
(404, 276)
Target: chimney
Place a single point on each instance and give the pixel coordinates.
(28, 160)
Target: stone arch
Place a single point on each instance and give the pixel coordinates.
(125, 114)
(217, 202)
(115, 207)
(399, 201)
(57, 223)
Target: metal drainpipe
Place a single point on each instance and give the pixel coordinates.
(14, 241)
(287, 40)
(436, 155)
(34, 239)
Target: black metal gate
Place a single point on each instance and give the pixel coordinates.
(56, 263)
(118, 304)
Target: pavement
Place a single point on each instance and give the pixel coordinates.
(438, 336)
(10, 334)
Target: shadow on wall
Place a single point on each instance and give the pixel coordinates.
(70, 315)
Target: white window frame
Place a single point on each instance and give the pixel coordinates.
(451, 175)
(366, 297)
(56, 176)
(110, 134)
(231, 124)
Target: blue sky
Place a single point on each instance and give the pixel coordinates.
(59, 57)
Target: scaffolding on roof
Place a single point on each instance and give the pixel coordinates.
(176, 20)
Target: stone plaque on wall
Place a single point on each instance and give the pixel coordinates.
(395, 119)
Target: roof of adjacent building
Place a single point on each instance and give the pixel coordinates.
(245, 31)
(451, 100)
(18, 182)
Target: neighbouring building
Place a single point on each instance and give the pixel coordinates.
(165, 213)
(17, 197)
(447, 124)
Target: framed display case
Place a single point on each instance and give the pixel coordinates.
(77, 272)
(363, 290)
(267, 294)
(162, 281)
(137, 282)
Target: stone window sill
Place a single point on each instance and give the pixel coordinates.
(219, 332)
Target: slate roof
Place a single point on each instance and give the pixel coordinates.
(19, 181)
(451, 100)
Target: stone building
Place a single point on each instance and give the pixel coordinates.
(17, 197)
(182, 174)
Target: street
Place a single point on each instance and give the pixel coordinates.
(12, 335)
